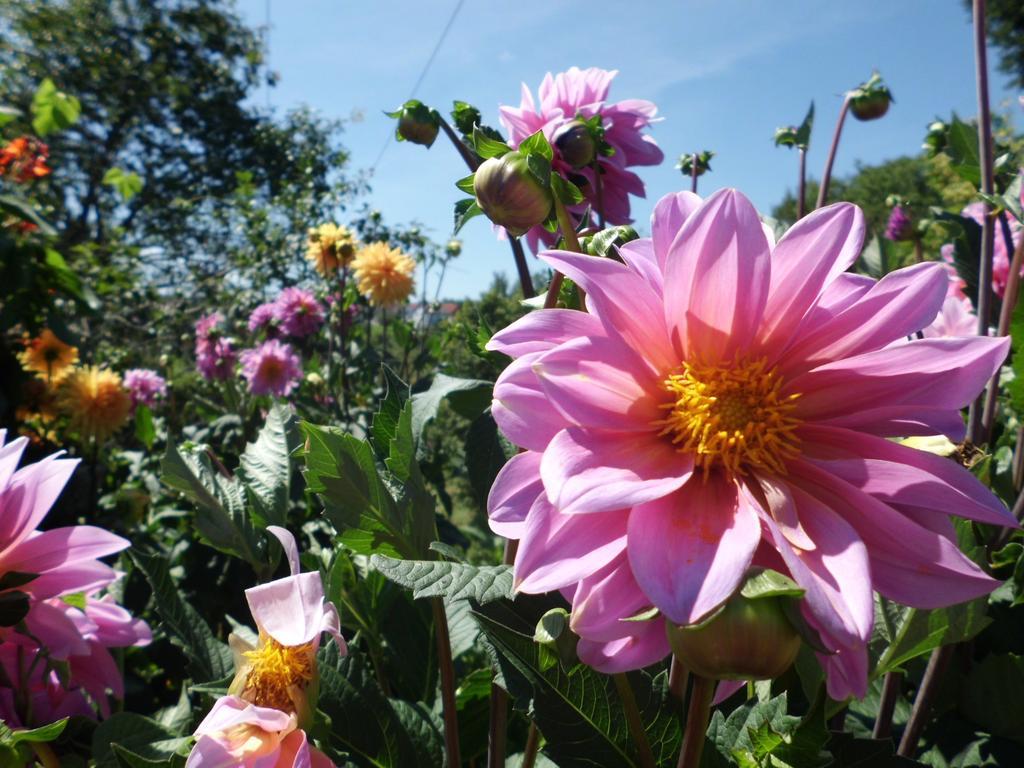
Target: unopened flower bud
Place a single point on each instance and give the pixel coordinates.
(749, 639)
(453, 248)
(416, 123)
(936, 139)
(870, 100)
(510, 195)
(900, 226)
(703, 159)
(575, 144)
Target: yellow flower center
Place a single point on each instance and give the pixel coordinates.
(274, 669)
(732, 417)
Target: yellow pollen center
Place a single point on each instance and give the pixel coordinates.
(734, 417)
(274, 669)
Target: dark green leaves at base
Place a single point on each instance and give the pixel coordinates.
(455, 581)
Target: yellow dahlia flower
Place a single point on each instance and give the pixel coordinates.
(329, 247)
(48, 356)
(96, 402)
(384, 274)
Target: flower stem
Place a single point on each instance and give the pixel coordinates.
(572, 243)
(826, 176)
(531, 748)
(447, 669)
(693, 173)
(925, 695)
(801, 185)
(467, 154)
(497, 728)
(697, 718)
(677, 678)
(975, 431)
(891, 688)
(633, 720)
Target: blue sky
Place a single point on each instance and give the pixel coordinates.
(724, 74)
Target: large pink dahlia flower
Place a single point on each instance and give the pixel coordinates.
(584, 93)
(725, 403)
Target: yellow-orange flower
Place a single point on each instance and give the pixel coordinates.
(96, 402)
(329, 247)
(384, 274)
(48, 356)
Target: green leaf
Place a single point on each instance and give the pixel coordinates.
(464, 211)
(466, 184)
(364, 722)
(342, 471)
(485, 456)
(53, 110)
(851, 752)
(129, 739)
(127, 185)
(1015, 389)
(467, 397)
(537, 144)
(962, 148)
(769, 583)
(803, 133)
(68, 281)
(7, 114)
(991, 696)
(22, 209)
(455, 581)
(265, 467)
(578, 710)
(221, 515)
(966, 250)
(389, 411)
(486, 146)
(913, 632)
(45, 733)
(145, 432)
(875, 257)
(565, 190)
(757, 729)
(209, 659)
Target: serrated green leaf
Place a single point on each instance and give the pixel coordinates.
(455, 581)
(209, 659)
(962, 148)
(537, 144)
(127, 185)
(464, 211)
(468, 397)
(265, 466)
(142, 742)
(486, 146)
(991, 696)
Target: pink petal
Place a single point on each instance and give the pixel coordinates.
(725, 689)
(595, 471)
(603, 599)
(670, 213)
(544, 330)
(600, 383)
(716, 279)
(84, 576)
(898, 305)
(639, 256)
(646, 644)
(10, 455)
(937, 373)
(811, 255)
(626, 304)
(689, 551)
(903, 421)
(229, 711)
(56, 548)
(559, 549)
(291, 551)
(55, 627)
(522, 410)
(898, 474)
(29, 495)
(290, 610)
(516, 487)
(909, 563)
(835, 573)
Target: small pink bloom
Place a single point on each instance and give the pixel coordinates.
(272, 368)
(216, 359)
(299, 313)
(236, 733)
(584, 93)
(263, 317)
(208, 326)
(956, 318)
(1001, 253)
(145, 386)
(725, 404)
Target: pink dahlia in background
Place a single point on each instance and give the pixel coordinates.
(956, 318)
(299, 313)
(900, 226)
(272, 368)
(1001, 253)
(49, 567)
(263, 317)
(724, 404)
(272, 697)
(584, 93)
(215, 354)
(145, 386)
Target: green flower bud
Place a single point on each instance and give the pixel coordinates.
(575, 144)
(685, 164)
(417, 123)
(870, 100)
(453, 248)
(510, 195)
(748, 639)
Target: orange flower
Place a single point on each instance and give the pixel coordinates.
(329, 247)
(24, 159)
(48, 356)
(96, 402)
(384, 274)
